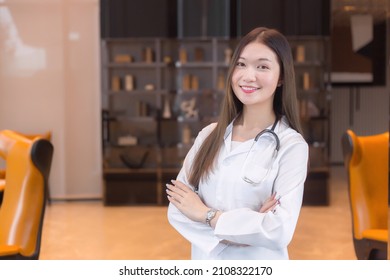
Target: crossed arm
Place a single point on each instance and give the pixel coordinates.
(191, 206)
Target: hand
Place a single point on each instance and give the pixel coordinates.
(227, 242)
(269, 204)
(187, 201)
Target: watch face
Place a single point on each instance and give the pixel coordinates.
(210, 214)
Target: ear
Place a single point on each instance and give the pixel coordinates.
(280, 83)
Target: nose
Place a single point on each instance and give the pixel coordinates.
(249, 74)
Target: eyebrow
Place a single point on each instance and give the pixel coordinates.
(260, 59)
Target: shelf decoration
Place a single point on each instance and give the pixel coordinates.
(183, 55)
(167, 59)
(149, 87)
(199, 54)
(115, 83)
(221, 81)
(188, 108)
(300, 53)
(303, 109)
(186, 83)
(194, 82)
(186, 134)
(307, 109)
(132, 163)
(306, 81)
(148, 55)
(142, 109)
(190, 82)
(123, 58)
(167, 114)
(312, 109)
(228, 55)
(127, 140)
(129, 83)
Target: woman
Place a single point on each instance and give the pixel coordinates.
(238, 196)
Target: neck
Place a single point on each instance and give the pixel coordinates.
(253, 118)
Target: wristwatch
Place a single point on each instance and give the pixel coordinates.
(210, 215)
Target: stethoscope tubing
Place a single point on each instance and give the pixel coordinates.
(277, 147)
(273, 134)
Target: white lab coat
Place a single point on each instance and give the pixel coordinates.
(263, 235)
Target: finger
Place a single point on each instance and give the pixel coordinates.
(181, 185)
(175, 189)
(273, 208)
(266, 209)
(177, 197)
(268, 205)
(174, 201)
(271, 198)
(269, 202)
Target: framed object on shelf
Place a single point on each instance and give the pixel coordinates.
(359, 49)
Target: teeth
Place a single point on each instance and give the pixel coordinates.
(249, 88)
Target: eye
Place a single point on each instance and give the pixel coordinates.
(240, 64)
(263, 67)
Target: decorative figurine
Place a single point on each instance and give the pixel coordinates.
(188, 108)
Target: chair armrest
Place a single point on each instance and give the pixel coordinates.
(376, 234)
(7, 250)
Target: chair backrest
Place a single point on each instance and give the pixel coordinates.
(22, 210)
(4, 141)
(366, 159)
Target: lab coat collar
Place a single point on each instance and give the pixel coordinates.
(245, 146)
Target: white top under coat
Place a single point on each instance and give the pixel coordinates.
(266, 235)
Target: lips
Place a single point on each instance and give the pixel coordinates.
(248, 89)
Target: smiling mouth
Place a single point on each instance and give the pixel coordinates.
(247, 89)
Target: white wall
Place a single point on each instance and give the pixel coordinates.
(50, 80)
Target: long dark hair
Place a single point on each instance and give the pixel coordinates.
(284, 104)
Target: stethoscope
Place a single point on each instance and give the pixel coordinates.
(259, 174)
(255, 180)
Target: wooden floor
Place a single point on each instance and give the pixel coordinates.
(88, 230)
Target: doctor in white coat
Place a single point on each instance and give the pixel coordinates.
(239, 192)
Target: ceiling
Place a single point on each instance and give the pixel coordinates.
(343, 9)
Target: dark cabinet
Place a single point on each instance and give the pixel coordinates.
(138, 18)
(212, 18)
(291, 17)
(205, 18)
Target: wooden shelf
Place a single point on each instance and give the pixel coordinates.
(166, 135)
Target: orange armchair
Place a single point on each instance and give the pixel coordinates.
(46, 135)
(366, 159)
(22, 210)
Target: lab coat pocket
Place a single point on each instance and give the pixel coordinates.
(252, 190)
(255, 187)
(254, 174)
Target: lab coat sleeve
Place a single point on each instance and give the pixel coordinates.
(198, 234)
(271, 230)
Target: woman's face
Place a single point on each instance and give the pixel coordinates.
(256, 75)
